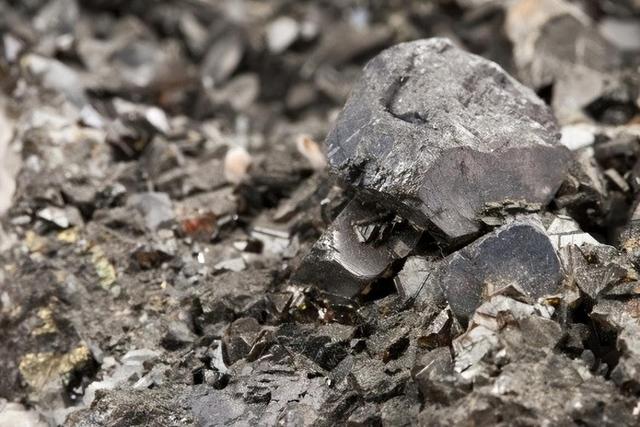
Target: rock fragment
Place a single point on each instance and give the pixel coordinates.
(629, 236)
(594, 268)
(439, 332)
(38, 369)
(243, 338)
(61, 218)
(434, 374)
(518, 255)
(156, 208)
(584, 194)
(9, 162)
(358, 248)
(223, 58)
(281, 33)
(438, 133)
(575, 137)
(130, 366)
(311, 151)
(564, 231)
(236, 165)
(417, 282)
(500, 331)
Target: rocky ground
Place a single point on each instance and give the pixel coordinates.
(228, 213)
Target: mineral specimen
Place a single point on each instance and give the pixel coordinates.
(417, 282)
(518, 255)
(439, 133)
(358, 248)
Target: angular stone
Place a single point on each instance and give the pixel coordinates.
(519, 255)
(584, 194)
(325, 346)
(223, 58)
(627, 373)
(369, 377)
(503, 329)
(564, 231)
(433, 372)
(358, 248)
(59, 217)
(439, 331)
(177, 336)
(148, 257)
(155, 207)
(548, 36)
(240, 338)
(439, 133)
(629, 236)
(365, 415)
(417, 282)
(594, 268)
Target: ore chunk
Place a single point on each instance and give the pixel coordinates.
(564, 231)
(594, 268)
(417, 282)
(156, 208)
(243, 338)
(627, 372)
(223, 58)
(439, 331)
(584, 193)
(370, 378)
(504, 329)
(629, 236)
(61, 218)
(147, 257)
(177, 336)
(432, 372)
(364, 416)
(442, 132)
(518, 254)
(358, 248)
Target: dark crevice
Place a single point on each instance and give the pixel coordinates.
(546, 93)
(589, 335)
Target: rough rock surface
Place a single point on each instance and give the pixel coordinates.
(518, 255)
(440, 133)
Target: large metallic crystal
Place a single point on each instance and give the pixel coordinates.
(439, 133)
(518, 255)
(359, 247)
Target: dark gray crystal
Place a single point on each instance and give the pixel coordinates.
(417, 282)
(438, 133)
(358, 247)
(518, 255)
